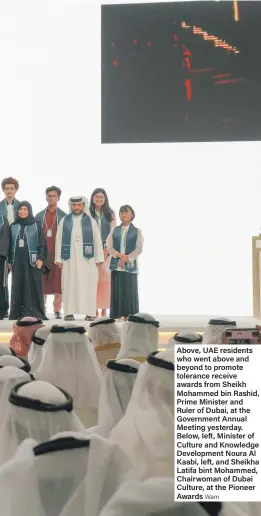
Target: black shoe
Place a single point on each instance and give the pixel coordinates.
(57, 315)
(89, 318)
(69, 318)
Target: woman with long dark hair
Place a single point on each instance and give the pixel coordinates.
(27, 259)
(105, 217)
(125, 244)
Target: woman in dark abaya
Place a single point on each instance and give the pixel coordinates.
(124, 244)
(28, 261)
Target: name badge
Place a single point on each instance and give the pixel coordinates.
(21, 242)
(88, 249)
(49, 233)
(130, 265)
(33, 258)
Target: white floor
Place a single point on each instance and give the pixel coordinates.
(168, 323)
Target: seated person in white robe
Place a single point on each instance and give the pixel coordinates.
(139, 337)
(11, 360)
(5, 349)
(79, 253)
(36, 348)
(184, 337)
(69, 361)
(69, 475)
(154, 496)
(104, 330)
(117, 384)
(9, 377)
(37, 410)
(146, 431)
(215, 329)
(241, 509)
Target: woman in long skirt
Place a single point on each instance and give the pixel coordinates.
(105, 218)
(27, 259)
(124, 244)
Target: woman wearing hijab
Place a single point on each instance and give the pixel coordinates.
(22, 337)
(105, 217)
(27, 258)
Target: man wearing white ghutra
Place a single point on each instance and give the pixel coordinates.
(78, 252)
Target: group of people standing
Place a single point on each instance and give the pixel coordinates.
(82, 258)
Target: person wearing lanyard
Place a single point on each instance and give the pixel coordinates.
(105, 217)
(28, 260)
(49, 219)
(124, 244)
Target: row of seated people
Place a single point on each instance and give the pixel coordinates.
(78, 439)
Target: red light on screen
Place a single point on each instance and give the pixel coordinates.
(221, 75)
(115, 62)
(229, 81)
(134, 41)
(175, 37)
(186, 51)
(148, 44)
(188, 89)
(188, 64)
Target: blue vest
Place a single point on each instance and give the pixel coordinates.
(31, 234)
(105, 228)
(3, 207)
(131, 242)
(60, 214)
(87, 237)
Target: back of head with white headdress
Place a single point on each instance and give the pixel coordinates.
(215, 329)
(9, 377)
(148, 420)
(10, 360)
(36, 347)
(104, 330)
(66, 475)
(140, 336)
(70, 362)
(185, 337)
(5, 349)
(117, 384)
(37, 410)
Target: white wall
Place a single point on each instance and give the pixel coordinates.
(197, 204)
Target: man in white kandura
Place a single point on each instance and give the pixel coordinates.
(78, 252)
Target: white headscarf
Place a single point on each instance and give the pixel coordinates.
(117, 384)
(62, 477)
(9, 377)
(241, 509)
(69, 361)
(37, 410)
(215, 328)
(139, 337)
(184, 337)
(36, 347)
(103, 331)
(80, 198)
(5, 349)
(146, 430)
(153, 496)
(12, 361)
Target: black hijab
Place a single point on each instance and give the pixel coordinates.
(29, 219)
